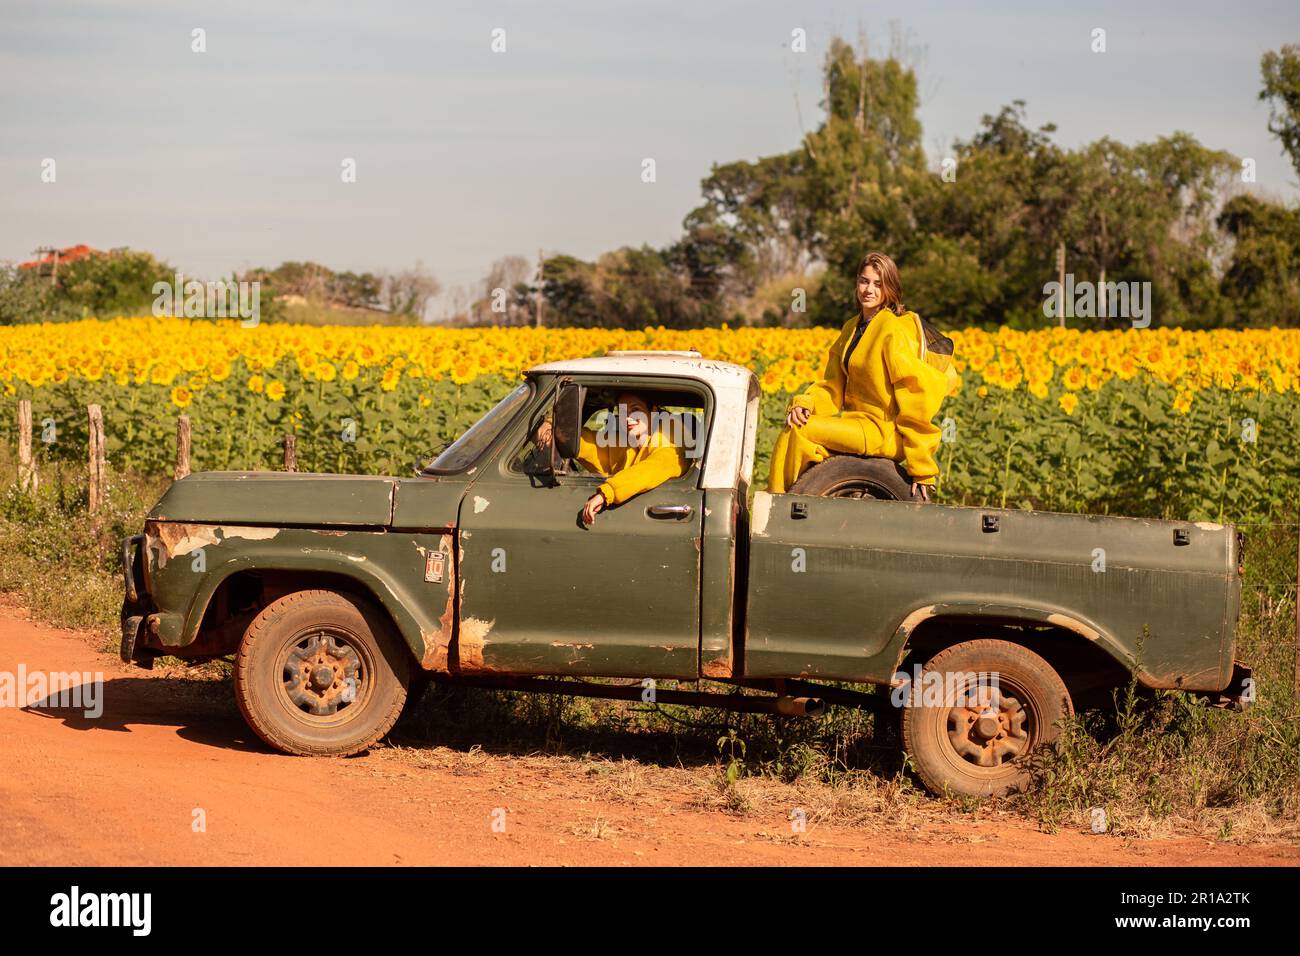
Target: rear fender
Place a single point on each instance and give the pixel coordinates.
(1122, 653)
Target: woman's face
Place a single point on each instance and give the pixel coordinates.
(870, 292)
(637, 416)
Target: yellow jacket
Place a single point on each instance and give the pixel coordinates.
(632, 470)
(887, 381)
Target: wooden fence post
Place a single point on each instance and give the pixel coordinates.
(96, 457)
(182, 447)
(290, 452)
(26, 467)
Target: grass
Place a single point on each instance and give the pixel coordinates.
(1160, 764)
(58, 563)
(1163, 762)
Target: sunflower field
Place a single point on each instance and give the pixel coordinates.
(1156, 422)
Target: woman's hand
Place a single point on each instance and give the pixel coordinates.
(922, 490)
(798, 416)
(594, 506)
(543, 436)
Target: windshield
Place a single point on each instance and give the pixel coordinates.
(466, 449)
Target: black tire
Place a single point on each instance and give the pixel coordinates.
(321, 674)
(970, 750)
(854, 476)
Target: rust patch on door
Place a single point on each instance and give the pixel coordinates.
(437, 646)
(471, 638)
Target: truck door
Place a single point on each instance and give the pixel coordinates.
(540, 594)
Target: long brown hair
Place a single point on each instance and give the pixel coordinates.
(891, 285)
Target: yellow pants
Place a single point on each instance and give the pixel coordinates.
(798, 449)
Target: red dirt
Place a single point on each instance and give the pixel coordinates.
(122, 790)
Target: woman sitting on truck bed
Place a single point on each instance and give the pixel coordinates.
(882, 387)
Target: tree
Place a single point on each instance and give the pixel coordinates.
(1144, 213)
(119, 282)
(865, 168)
(993, 226)
(355, 290)
(25, 296)
(505, 295)
(408, 292)
(637, 288)
(625, 289)
(755, 225)
(976, 248)
(570, 289)
(1262, 281)
(1280, 72)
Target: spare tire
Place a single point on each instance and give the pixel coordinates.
(856, 476)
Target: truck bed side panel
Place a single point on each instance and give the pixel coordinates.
(834, 594)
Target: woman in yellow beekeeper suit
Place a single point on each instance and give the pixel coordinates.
(879, 393)
(634, 452)
(644, 456)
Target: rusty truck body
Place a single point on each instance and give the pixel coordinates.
(336, 593)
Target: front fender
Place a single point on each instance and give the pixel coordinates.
(188, 562)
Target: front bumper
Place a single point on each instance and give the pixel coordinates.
(135, 604)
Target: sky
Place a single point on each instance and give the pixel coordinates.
(233, 158)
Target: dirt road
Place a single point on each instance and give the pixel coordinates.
(170, 753)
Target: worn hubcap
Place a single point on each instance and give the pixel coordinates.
(323, 674)
(989, 736)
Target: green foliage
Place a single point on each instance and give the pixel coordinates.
(120, 282)
(1123, 451)
(102, 284)
(50, 552)
(1263, 279)
(1166, 755)
(977, 233)
(25, 296)
(625, 289)
(316, 282)
(1280, 72)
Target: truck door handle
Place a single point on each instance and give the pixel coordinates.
(669, 511)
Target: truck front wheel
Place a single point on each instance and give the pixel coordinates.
(979, 710)
(321, 673)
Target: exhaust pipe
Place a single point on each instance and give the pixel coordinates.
(799, 706)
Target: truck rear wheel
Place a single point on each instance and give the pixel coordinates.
(853, 476)
(979, 711)
(320, 673)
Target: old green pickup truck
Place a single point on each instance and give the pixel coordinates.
(980, 628)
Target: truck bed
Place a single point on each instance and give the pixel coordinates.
(1166, 602)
